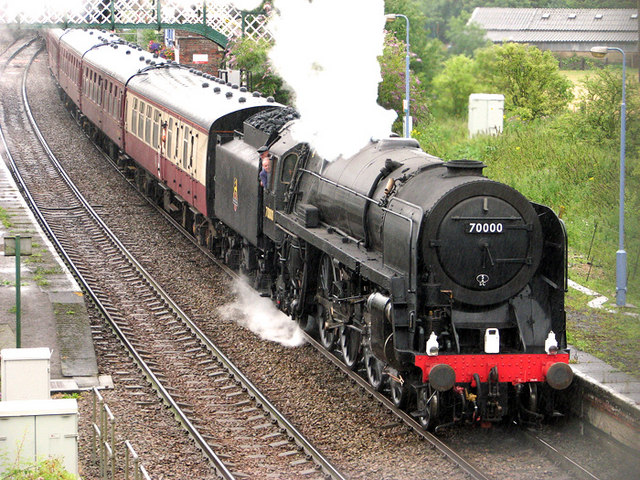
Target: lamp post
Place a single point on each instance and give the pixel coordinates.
(621, 254)
(407, 122)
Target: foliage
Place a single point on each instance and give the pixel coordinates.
(427, 52)
(149, 35)
(391, 90)
(253, 56)
(464, 38)
(597, 115)
(529, 79)
(161, 49)
(49, 469)
(453, 86)
(5, 218)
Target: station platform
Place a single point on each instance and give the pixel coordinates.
(54, 315)
(53, 312)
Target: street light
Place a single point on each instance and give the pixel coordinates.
(407, 122)
(621, 254)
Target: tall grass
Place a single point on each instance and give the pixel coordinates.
(549, 163)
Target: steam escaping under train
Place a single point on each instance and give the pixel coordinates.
(446, 287)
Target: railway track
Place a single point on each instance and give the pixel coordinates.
(157, 308)
(153, 329)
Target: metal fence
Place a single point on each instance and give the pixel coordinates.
(103, 444)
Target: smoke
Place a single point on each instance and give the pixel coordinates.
(244, 4)
(260, 315)
(326, 51)
(31, 10)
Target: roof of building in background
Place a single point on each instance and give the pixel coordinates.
(534, 25)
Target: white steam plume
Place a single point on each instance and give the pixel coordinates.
(245, 4)
(326, 51)
(260, 315)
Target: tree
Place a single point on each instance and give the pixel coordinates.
(465, 38)
(452, 87)
(391, 90)
(426, 53)
(599, 110)
(529, 79)
(252, 56)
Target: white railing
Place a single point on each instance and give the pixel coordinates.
(103, 444)
(218, 15)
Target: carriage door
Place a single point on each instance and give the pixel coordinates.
(155, 142)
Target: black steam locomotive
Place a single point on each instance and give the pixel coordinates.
(446, 286)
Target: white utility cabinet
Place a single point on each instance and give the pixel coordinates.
(25, 373)
(38, 429)
(486, 112)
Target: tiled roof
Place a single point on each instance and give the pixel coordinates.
(541, 36)
(557, 24)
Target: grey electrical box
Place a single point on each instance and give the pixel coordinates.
(25, 373)
(486, 112)
(31, 430)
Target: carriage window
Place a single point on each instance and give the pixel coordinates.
(134, 117)
(112, 95)
(169, 136)
(178, 133)
(141, 120)
(288, 167)
(147, 127)
(191, 153)
(156, 128)
(185, 147)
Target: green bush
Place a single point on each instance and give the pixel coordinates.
(391, 90)
(529, 79)
(49, 469)
(253, 56)
(598, 108)
(454, 85)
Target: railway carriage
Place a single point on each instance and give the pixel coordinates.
(447, 288)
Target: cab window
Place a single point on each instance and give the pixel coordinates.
(288, 167)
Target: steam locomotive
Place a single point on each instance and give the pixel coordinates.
(445, 287)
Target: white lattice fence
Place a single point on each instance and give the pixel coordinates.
(222, 17)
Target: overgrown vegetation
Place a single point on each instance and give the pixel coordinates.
(252, 56)
(49, 469)
(5, 218)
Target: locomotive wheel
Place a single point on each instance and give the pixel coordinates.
(399, 394)
(328, 335)
(350, 340)
(326, 278)
(432, 401)
(308, 325)
(374, 369)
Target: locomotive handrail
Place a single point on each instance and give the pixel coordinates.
(413, 267)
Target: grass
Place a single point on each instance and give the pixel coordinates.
(5, 218)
